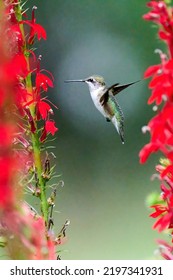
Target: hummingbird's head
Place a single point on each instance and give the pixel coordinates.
(95, 82)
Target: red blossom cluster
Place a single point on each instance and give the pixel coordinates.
(22, 107)
(162, 16)
(160, 127)
(24, 63)
(29, 230)
(7, 127)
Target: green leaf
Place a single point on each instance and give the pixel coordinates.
(153, 198)
(168, 1)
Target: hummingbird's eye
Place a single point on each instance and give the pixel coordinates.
(90, 80)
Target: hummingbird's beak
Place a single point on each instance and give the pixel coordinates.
(70, 81)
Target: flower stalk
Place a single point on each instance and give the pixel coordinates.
(160, 126)
(26, 123)
(32, 108)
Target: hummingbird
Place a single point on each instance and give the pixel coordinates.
(104, 100)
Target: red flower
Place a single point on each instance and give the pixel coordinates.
(165, 216)
(17, 67)
(168, 170)
(15, 34)
(165, 249)
(161, 130)
(35, 243)
(162, 15)
(161, 79)
(151, 71)
(6, 135)
(158, 13)
(7, 165)
(50, 127)
(36, 29)
(146, 151)
(43, 108)
(43, 81)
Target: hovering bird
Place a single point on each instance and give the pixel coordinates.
(105, 101)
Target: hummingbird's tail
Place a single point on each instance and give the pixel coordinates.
(121, 133)
(119, 125)
(118, 122)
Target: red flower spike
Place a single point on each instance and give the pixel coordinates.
(18, 158)
(161, 126)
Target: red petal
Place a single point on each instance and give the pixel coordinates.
(161, 79)
(159, 209)
(43, 135)
(146, 151)
(50, 127)
(6, 194)
(40, 31)
(168, 169)
(43, 81)
(151, 70)
(17, 67)
(156, 95)
(163, 222)
(164, 36)
(36, 29)
(43, 109)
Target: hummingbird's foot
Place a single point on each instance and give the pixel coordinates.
(108, 120)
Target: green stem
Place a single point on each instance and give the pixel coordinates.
(39, 171)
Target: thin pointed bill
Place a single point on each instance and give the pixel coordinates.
(71, 81)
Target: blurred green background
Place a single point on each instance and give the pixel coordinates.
(105, 186)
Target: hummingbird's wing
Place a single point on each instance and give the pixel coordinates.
(113, 90)
(104, 98)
